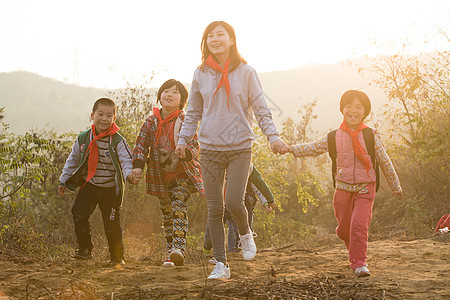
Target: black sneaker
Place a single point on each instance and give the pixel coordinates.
(82, 254)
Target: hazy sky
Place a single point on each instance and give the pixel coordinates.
(98, 42)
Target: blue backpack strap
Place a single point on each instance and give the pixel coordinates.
(369, 140)
(332, 152)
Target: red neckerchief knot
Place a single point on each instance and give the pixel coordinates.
(210, 62)
(357, 148)
(93, 148)
(161, 121)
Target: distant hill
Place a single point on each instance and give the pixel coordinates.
(287, 91)
(34, 101)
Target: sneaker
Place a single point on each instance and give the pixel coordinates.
(82, 254)
(206, 252)
(177, 257)
(362, 272)
(443, 230)
(213, 261)
(168, 263)
(220, 271)
(118, 263)
(248, 245)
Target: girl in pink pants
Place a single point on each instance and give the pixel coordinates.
(353, 212)
(356, 151)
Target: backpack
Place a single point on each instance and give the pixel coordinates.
(370, 145)
(76, 179)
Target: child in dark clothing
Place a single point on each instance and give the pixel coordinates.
(257, 189)
(99, 162)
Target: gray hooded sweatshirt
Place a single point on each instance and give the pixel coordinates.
(224, 128)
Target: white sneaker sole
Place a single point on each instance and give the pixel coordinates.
(168, 264)
(225, 274)
(217, 277)
(362, 274)
(222, 276)
(249, 255)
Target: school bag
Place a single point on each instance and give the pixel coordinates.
(370, 146)
(76, 179)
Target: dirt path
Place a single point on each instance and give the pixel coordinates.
(417, 269)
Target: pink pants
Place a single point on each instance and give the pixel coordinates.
(353, 212)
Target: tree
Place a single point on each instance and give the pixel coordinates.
(295, 182)
(418, 90)
(23, 158)
(134, 105)
(29, 169)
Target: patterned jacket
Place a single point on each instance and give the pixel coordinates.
(145, 152)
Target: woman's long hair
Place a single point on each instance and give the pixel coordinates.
(235, 57)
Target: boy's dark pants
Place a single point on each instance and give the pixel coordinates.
(86, 201)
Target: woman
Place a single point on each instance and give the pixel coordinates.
(225, 93)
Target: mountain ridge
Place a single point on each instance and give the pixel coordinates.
(34, 101)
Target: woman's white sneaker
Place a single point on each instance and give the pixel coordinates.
(220, 271)
(213, 261)
(248, 245)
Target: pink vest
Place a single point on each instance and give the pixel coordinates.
(348, 167)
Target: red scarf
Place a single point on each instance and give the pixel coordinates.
(357, 148)
(93, 156)
(161, 121)
(210, 62)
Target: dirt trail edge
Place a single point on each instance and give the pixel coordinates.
(416, 269)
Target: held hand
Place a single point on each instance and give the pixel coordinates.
(279, 147)
(180, 151)
(398, 194)
(135, 176)
(61, 190)
(270, 207)
(130, 179)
